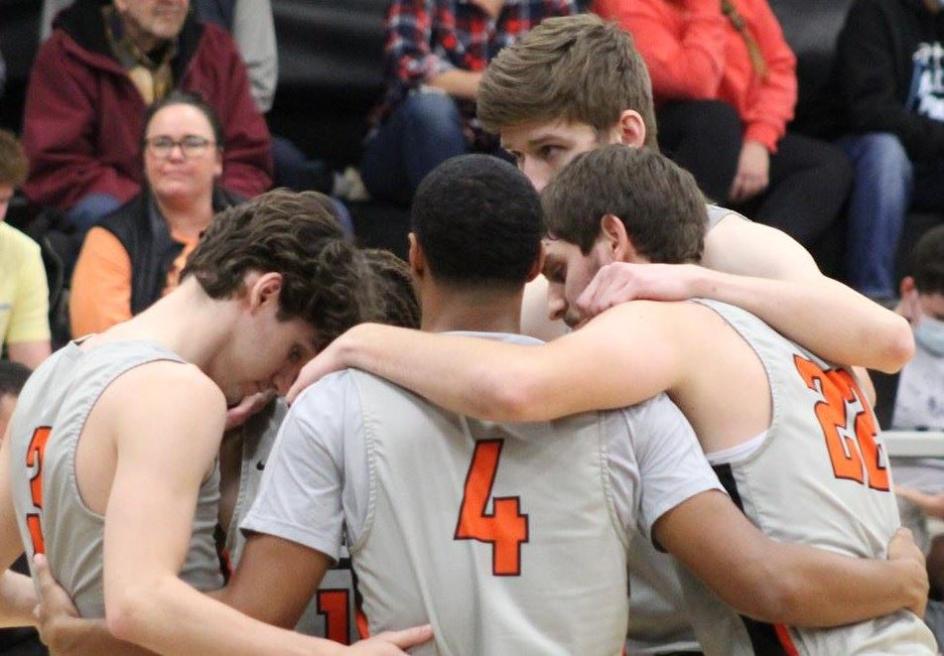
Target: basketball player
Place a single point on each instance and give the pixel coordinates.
(792, 436)
(108, 467)
(576, 83)
(359, 453)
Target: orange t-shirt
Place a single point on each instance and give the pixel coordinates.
(101, 284)
(693, 52)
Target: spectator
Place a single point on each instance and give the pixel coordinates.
(889, 70)
(24, 295)
(135, 255)
(435, 54)
(90, 85)
(725, 87)
(251, 24)
(919, 402)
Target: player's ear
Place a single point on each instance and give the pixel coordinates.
(538, 265)
(264, 289)
(619, 244)
(416, 257)
(632, 129)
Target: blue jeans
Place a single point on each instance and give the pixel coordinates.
(87, 212)
(424, 131)
(881, 194)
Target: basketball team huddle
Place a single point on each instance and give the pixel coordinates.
(693, 467)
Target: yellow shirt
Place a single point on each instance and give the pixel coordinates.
(24, 294)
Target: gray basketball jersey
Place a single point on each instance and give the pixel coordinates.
(485, 545)
(332, 613)
(821, 478)
(658, 620)
(44, 433)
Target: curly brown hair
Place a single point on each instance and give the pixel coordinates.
(323, 278)
(394, 300)
(13, 163)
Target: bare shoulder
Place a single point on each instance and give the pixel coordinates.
(740, 246)
(164, 386)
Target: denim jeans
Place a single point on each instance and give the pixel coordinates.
(881, 194)
(87, 212)
(424, 131)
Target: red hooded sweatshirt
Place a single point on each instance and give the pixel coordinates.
(693, 52)
(84, 118)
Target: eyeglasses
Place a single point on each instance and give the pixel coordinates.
(191, 145)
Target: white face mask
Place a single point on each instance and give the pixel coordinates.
(929, 333)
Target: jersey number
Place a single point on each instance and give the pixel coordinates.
(334, 606)
(505, 527)
(34, 458)
(854, 453)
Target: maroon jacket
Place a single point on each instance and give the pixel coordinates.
(84, 117)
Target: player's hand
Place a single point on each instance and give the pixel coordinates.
(930, 504)
(54, 610)
(250, 405)
(903, 550)
(392, 643)
(753, 172)
(620, 282)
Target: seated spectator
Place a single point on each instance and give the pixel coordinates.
(24, 294)
(919, 402)
(91, 82)
(888, 68)
(435, 54)
(725, 87)
(135, 255)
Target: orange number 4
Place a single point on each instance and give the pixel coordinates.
(852, 458)
(34, 458)
(505, 527)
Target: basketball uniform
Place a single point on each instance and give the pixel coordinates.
(658, 620)
(44, 434)
(819, 477)
(507, 538)
(332, 613)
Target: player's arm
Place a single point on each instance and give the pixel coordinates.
(167, 421)
(766, 272)
(17, 596)
(582, 371)
(275, 579)
(787, 583)
(296, 521)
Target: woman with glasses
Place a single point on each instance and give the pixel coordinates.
(135, 255)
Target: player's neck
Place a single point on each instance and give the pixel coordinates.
(186, 322)
(446, 308)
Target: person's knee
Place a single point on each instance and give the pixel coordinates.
(432, 113)
(882, 154)
(90, 209)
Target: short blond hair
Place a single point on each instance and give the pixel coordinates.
(13, 163)
(575, 68)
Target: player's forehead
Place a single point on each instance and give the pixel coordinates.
(528, 136)
(559, 252)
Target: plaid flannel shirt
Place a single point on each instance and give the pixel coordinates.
(428, 37)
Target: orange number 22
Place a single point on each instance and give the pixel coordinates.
(853, 458)
(505, 527)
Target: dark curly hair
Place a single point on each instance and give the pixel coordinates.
(323, 278)
(394, 299)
